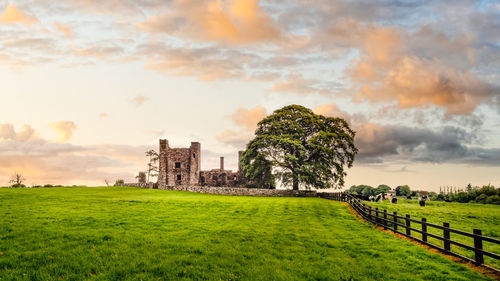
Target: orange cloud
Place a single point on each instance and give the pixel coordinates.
(64, 129)
(140, 100)
(64, 29)
(381, 44)
(388, 71)
(233, 22)
(414, 82)
(248, 118)
(236, 139)
(331, 110)
(369, 132)
(13, 15)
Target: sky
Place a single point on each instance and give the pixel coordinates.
(87, 86)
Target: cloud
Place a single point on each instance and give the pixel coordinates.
(383, 143)
(100, 51)
(419, 68)
(296, 83)
(248, 118)
(389, 71)
(13, 15)
(235, 139)
(64, 129)
(42, 161)
(331, 110)
(413, 82)
(232, 22)
(206, 63)
(140, 100)
(64, 29)
(7, 132)
(378, 144)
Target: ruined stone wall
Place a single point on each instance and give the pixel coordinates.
(240, 191)
(137, 184)
(221, 178)
(178, 167)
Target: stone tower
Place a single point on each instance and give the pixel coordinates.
(178, 166)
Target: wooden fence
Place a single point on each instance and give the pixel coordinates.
(405, 225)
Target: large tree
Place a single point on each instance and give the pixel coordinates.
(301, 149)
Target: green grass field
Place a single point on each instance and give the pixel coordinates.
(139, 234)
(461, 216)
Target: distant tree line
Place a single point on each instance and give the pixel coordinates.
(487, 194)
(364, 191)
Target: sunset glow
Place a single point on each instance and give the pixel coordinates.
(88, 86)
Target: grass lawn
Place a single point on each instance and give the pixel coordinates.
(461, 216)
(138, 234)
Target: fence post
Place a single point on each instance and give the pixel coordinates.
(370, 212)
(408, 230)
(446, 236)
(424, 229)
(395, 221)
(385, 219)
(376, 216)
(478, 247)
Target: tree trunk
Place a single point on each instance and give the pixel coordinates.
(295, 182)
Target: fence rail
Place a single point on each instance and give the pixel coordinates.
(403, 226)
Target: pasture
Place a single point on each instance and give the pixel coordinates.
(117, 233)
(461, 216)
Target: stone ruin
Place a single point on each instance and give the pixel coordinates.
(182, 167)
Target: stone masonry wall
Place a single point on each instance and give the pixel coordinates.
(178, 166)
(240, 191)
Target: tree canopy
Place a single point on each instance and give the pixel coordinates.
(299, 147)
(403, 190)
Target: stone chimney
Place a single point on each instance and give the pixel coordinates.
(222, 163)
(240, 153)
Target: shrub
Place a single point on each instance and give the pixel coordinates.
(462, 197)
(481, 198)
(493, 199)
(119, 182)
